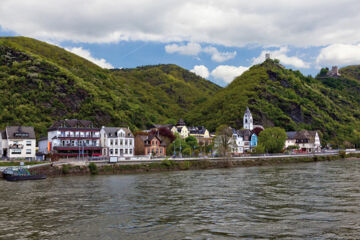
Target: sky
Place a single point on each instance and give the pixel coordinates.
(217, 40)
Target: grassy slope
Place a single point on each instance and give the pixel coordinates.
(286, 98)
(40, 83)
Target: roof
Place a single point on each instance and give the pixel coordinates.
(20, 132)
(112, 131)
(72, 123)
(247, 111)
(3, 134)
(169, 126)
(303, 134)
(181, 122)
(257, 129)
(151, 137)
(197, 130)
(291, 135)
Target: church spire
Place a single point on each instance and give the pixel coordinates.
(248, 120)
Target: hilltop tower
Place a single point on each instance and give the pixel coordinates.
(248, 120)
(267, 56)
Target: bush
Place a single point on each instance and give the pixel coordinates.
(185, 165)
(93, 169)
(167, 163)
(342, 154)
(66, 169)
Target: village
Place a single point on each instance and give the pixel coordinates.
(74, 139)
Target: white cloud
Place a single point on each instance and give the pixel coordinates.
(194, 49)
(281, 54)
(339, 54)
(87, 55)
(201, 70)
(227, 73)
(298, 23)
(219, 56)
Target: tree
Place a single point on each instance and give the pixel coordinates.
(192, 142)
(273, 139)
(223, 140)
(175, 145)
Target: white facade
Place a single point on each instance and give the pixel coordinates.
(21, 148)
(72, 138)
(248, 120)
(182, 130)
(18, 142)
(238, 144)
(117, 142)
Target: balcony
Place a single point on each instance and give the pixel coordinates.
(16, 146)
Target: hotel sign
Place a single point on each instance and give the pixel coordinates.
(20, 134)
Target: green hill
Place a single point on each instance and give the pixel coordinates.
(281, 97)
(40, 83)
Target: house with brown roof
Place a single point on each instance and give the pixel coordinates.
(72, 138)
(306, 141)
(18, 142)
(117, 142)
(149, 144)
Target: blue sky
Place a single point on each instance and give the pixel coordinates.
(216, 41)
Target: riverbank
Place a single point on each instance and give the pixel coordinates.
(58, 170)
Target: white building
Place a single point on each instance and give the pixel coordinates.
(72, 138)
(305, 141)
(18, 142)
(117, 142)
(248, 120)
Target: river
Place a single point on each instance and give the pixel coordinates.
(296, 201)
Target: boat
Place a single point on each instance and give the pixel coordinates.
(20, 174)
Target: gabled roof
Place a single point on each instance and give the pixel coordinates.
(301, 135)
(197, 130)
(112, 131)
(291, 135)
(149, 138)
(72, 123)
(181, 122)
(20, 132)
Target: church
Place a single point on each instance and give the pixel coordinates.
(245, 140)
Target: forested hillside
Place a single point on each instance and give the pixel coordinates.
(286, 98)
(40, 83)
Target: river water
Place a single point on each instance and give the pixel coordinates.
(297, 201)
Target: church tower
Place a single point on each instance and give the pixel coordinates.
(248, 120)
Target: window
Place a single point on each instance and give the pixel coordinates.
(148, 151)
(28, 151)
(130, 151)
(28, 143)
(121, 152)
(160, 150)
(126, 151)
(116, 151)
(130, 142)
(16, 151)
(126, 142)
(116, 142)
(111, 151)
(121, 142)
(111, 142)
